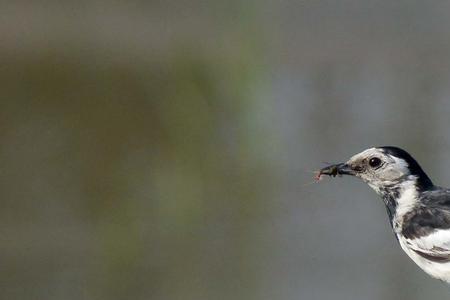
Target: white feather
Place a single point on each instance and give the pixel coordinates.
(407, 199)
(435, 244)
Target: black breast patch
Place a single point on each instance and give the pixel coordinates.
(389, 196)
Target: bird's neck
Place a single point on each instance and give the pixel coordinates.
(399, 198)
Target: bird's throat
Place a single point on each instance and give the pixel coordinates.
(398, 198)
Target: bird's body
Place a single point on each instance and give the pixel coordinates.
(418, 211)
(423, 232)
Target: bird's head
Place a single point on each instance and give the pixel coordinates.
(383, 168)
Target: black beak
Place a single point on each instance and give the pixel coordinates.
(337, 169)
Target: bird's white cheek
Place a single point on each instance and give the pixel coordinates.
(391, 174)
(368, 178)
(373, 181)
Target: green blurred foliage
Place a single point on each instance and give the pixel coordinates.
(148, 156)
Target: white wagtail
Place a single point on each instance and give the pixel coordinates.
(419, 211)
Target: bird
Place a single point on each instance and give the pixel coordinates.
(418, 210)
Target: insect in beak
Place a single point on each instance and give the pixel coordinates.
(334, 170)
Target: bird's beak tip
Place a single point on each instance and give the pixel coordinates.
(336, 169)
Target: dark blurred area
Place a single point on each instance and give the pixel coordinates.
(166, 149)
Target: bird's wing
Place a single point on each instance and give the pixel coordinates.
(427, 230)
(438, 197)
(434, 246)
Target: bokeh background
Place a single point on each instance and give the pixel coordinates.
(163, 149)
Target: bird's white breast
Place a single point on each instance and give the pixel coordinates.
(439, 270)
(438, 239)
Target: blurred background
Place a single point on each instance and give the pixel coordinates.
(164, 149)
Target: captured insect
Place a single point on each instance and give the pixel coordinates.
(332, 170)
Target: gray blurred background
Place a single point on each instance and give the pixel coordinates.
(163, 149)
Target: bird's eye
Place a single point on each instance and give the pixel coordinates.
(374, 162)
